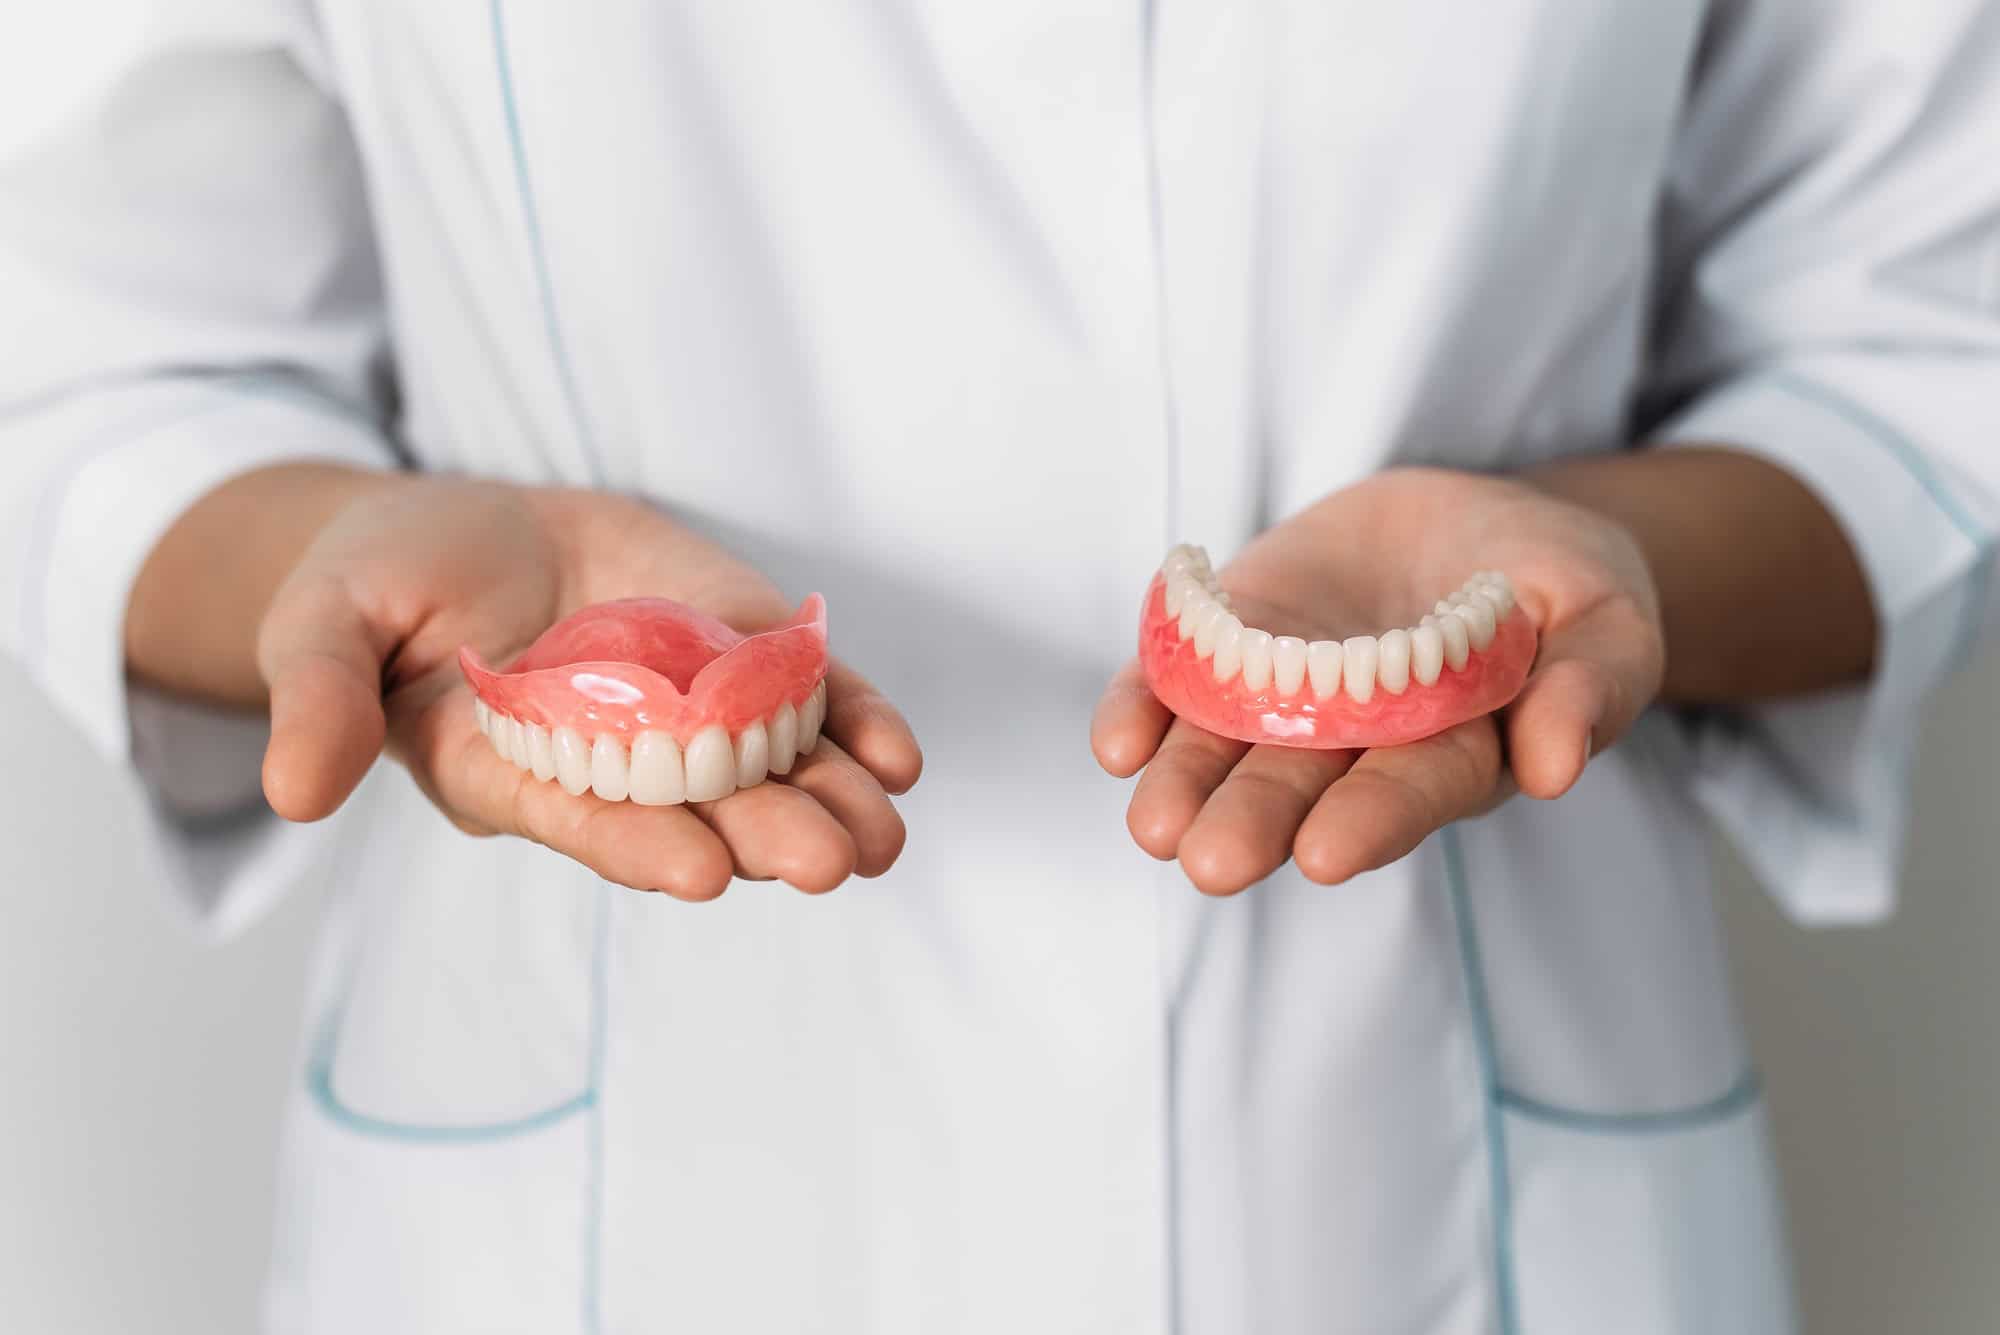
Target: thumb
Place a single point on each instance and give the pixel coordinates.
(1591, 679)
(320, 661)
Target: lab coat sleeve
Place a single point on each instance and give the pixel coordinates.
(187, 292)
(1830, 300)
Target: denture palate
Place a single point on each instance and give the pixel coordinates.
(649, 701)
(1460, 625)
(1468, 656)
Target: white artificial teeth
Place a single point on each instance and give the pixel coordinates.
(1426, 652)
(1359, 655)
(1208, 622)
(1392, 668)
(609, 777)
(658, 778)
(1457, 645)
(1228, 646)
(1255, 647)
(711, 765)
(784, 738)
(1191, 612)
(1179, 587)
(541, 752)
(753, 755)
(1288, 663)
(1323, 665)
(482, 714)
(812, 717)
(517, 744)
(572, 761)
(1479, 624)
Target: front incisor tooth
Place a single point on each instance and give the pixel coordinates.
(658, 777)
(572, 760)
(1359, 657)
(1228, 646)
(1207, 621)
(784, 734)
(1457, 645)
(1323, 666)
(753, 755)
(1478, 615)
(1426, 652)
(711, 765)
(517, 744)
(1288, 663)
(1255, 646)
(610, 775)
(1392, 663)
(541, 752)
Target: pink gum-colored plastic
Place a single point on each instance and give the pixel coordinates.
(651, 664)
(1185, 684)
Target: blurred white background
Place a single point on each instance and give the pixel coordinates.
(141, 1074)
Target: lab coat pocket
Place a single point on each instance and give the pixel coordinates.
(1646, 1225)
(464, 998)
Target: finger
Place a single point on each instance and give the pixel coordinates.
(1129, 724)
(1190, 764)
(1246, 829)
(324, 673)
(1589, 679)
(871, 729)
(776, 832)
(852, 796)
(1394, 798)
(668, 849)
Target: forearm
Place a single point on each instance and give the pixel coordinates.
(192, 619)
(1761, 593)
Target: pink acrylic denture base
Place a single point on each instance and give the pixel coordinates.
(652, 664)
(1185, 683)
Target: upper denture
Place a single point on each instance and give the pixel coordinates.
(648, 699)
(1469, 656)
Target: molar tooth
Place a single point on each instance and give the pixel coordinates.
(1478, 615)
(1359, 655)
(753, 754)
(1288, 663)
(572, 760)
(812, 717)
(1255, 646)
(711, 765)
(1495, 586)
(1457, 644)
(658, 777)
(541, 752)
(1207, 622)
(1392, 667)
(784, 734)
(1426, 652)
(1323, 665)
(610, 775)
(1228, 646)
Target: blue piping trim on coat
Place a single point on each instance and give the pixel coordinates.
(1722, 1107)
(531, 219)
(1499, 1187)
(319, 1079)
(1920, 468)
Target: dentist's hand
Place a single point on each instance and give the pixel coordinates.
(1374, 556)
(1698, 575)
(364, 587)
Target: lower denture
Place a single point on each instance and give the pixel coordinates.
(1469, 657)
(648, 700)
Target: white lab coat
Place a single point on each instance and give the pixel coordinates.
(960, 313)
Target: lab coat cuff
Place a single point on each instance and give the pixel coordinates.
(1814, 792)
(132, 461)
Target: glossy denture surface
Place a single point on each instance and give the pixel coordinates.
(1467, 657)
(649, 699)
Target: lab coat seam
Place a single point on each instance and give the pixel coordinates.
(1742, 1093)
(1912, 460)
(1479, 1011)
(580, 424)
